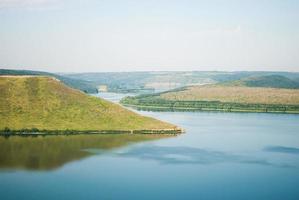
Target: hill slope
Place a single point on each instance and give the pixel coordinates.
(85, 86)
(272, 81)
(47, 104)
(220, 97)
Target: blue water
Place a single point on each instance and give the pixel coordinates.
(221, 156)
(113, 97)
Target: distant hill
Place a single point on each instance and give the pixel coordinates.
(150, 82)
(166, 80)
(238, 75)
(271, 81)
(46, 104)
(134, 81)
(85, 86)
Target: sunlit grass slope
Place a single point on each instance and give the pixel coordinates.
(47, 104)
(236, 94)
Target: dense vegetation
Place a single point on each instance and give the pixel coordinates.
(83, 85)
(44, 104)
(220, 98)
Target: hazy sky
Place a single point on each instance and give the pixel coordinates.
(143, 35)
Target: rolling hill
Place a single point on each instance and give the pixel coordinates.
(47, 105)
(271, 81)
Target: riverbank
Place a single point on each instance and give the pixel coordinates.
(196, 106)
(33, 132)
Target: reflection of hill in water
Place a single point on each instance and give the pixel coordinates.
(50, 152)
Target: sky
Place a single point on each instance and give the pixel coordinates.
(149, 35)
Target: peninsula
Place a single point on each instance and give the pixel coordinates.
(219, 97)
(44, 105)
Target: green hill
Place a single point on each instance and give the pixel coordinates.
(272, 81)
(83, 85)
(46, 104)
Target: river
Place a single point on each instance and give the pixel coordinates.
(221, 156)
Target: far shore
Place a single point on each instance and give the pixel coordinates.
(197, 109)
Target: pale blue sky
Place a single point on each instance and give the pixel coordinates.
(143, 35)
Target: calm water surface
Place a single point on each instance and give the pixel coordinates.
(221, 156)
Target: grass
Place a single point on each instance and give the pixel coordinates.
(235, 94)
(83, 85)
(46, 104)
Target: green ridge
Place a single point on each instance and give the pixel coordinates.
(271, 81)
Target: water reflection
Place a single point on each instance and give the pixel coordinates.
(190, 155)
(282, 149)
(51, 152)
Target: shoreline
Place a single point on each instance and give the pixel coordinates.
(162, 108)
(36, 132)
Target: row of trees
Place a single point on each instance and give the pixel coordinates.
(207, 105)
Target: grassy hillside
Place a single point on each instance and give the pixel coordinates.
(271, 81)
(47, 104)
(220, 97)
(83, 85)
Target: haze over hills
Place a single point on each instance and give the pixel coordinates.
(165, 80)
(150, 82)
(45, 103)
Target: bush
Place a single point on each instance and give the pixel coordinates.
(6, 130)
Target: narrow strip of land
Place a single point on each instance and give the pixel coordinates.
(219, 98)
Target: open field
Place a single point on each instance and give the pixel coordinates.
(235, 94)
